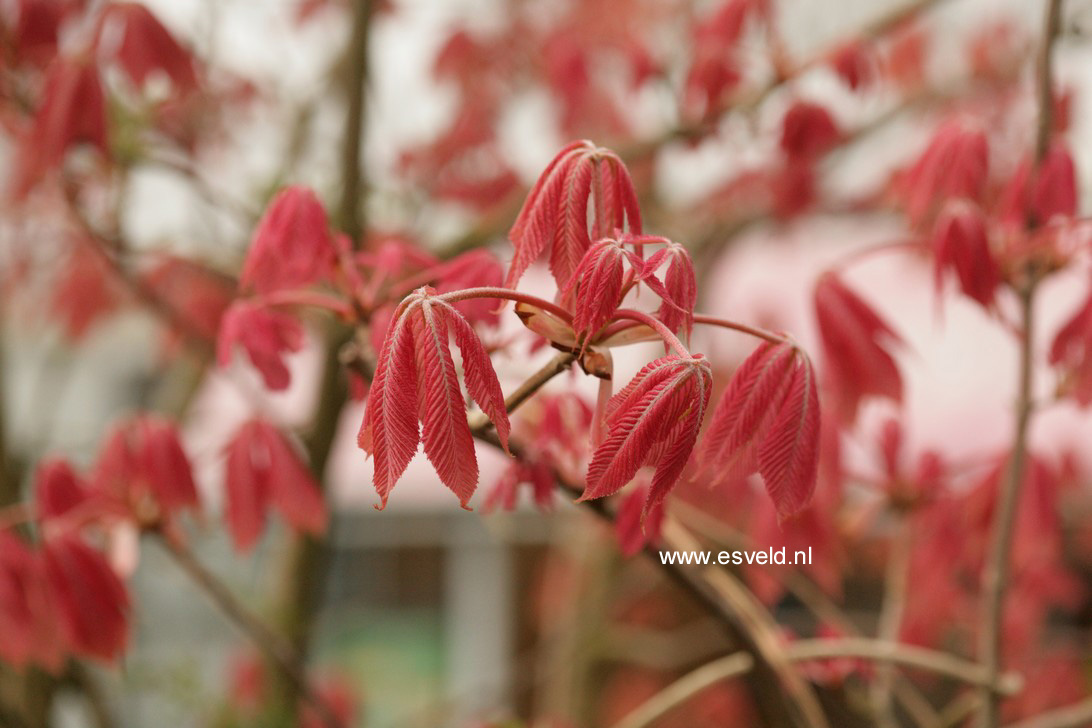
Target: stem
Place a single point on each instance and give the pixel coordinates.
(349, 215)
(656, 325)
(995, 579)
(262, 636)
(1071, 716)
(894, 602)
(756, 332)
(739, 663)
(508, 294)
(558, 364)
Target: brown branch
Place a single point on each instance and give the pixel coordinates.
(996, 575)
(1071, 716)
(894, 603)
(356, 78)
(886, 653)
(558, 364)
(269, 642)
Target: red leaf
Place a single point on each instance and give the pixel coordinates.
(631, 528)
(555, 213)
(767, 421)
(264, 469)
(30, 630)
(961, 242)
(807, 131)
(954, 165)
(73, 110)
(743, 415)
(788, 457)
(266, 336)
(58, 489)
(856, 357)
(415, 380)
(143, 466)
(1053, 192)
(145, 46)
(292, 246)
(86, 290)
(92, 600)
(595, 289)
(855, 63)
(1071, 351)
(679, 290)
(655, 420)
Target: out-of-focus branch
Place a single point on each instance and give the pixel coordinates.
(261, 635)
(880, 651)
(800, 585)
(356, 78)
(1071, 716)
(894, 603)
(725, 597)
(303, 574)
(996, 575)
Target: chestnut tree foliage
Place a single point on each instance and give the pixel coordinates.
(599, 275)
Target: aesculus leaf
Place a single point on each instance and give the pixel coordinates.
(857, 358)
(416, 398)
(767, 422)
(292, 246)
(961, 243)
(263, 470)
(595, 289)
(953, 165)
(1071, 351)
(555, 213)
(788, 456)
(654, 420)
(679, 288)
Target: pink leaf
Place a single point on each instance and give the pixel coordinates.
(266, 336)
(292, 246)
(415, 381)
(654, 419)
(555, 214)
(856, 344)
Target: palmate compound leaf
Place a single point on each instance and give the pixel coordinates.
(555, 214)
(767, 422)
(654, 420)
(415, 396)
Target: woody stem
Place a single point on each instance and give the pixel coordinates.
(996, 575)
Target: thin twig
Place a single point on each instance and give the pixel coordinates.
(894, 603)
(558, 364)
(261, 635)
(995, 579)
